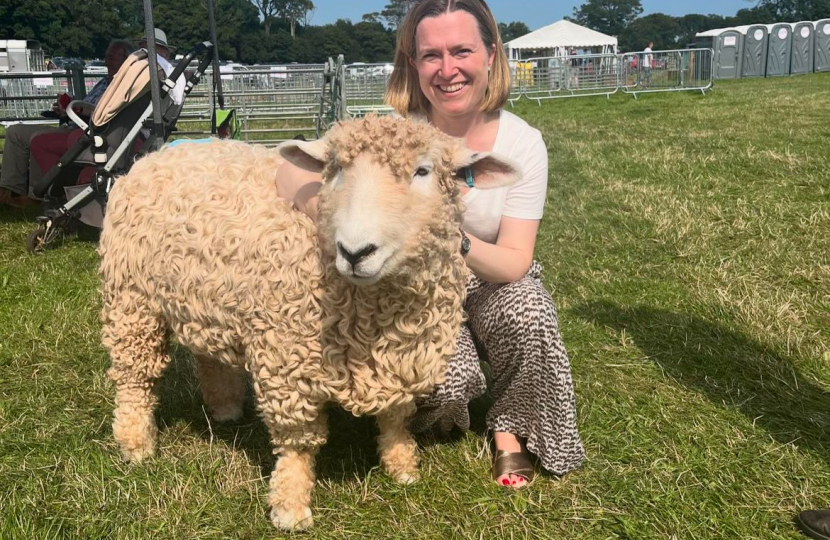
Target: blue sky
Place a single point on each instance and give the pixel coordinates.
(534, 13)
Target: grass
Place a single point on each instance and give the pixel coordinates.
(686, 242)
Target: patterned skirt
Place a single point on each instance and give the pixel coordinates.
(516, 327)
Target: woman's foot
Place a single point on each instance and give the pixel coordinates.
(511, 464)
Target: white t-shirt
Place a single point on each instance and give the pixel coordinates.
(647, 57)
(516, 140)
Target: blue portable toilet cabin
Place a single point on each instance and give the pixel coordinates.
(726, 44)
(803, 46)
(754, 55)
(779, 49)
(821, 56)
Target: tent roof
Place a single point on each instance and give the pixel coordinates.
(561, 34)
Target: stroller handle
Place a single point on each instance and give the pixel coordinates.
(170, 81)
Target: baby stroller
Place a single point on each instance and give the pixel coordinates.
(119, 132)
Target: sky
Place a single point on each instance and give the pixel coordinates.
(534, 13)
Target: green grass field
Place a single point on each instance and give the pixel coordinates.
(686, 243)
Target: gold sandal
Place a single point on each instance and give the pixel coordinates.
(517, 463)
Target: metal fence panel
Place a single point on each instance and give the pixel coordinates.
(666, 71)
(25, 95)
(365, 88)
(566, 76)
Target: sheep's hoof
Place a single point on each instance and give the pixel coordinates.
(227, 413)
(291, 519)
(136, 441)
(406, 478)
(137, 453)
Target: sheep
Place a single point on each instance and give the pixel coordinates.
(362, 310)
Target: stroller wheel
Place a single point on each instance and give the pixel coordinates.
(36, 242)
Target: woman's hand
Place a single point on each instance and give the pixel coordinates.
(299, 184)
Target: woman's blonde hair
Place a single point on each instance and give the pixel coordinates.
(404, 93)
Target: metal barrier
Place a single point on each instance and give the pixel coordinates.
(364, 88)
(554, 77)
(604, 74)
(25, 95)
(666, 71)
(275, 102)
(332, 96)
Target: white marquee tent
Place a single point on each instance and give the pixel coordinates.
(558, 39)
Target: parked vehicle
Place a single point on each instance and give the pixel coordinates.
(21, 55)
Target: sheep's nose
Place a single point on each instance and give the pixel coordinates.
(354, 257)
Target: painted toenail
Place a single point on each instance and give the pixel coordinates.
(505, 482)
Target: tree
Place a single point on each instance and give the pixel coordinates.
(269, 9)
(512, 30)
(377, 44)
(691, 24)
(796, 10)
(373, 17)
(294, 11)
(607, 16)
(394, 12)
(662, 29)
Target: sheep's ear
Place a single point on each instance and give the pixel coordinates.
(310, 155)
(488, 170)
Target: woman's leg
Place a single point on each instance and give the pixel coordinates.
(533, 393)
(447, 405)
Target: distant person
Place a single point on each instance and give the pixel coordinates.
(648, 62)
(163, 53)
(14, 177)
(48, 148)
(815, 523)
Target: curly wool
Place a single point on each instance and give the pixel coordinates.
(178, 237)
(197, 237)
(394, 345)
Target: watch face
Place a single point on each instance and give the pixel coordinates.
(465, 245)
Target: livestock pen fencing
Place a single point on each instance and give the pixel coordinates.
(279, 102)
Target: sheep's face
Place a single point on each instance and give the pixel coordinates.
(390, 189)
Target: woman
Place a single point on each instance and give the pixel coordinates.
(451, 70)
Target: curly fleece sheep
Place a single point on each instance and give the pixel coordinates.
(196, 243)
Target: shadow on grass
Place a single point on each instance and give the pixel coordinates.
(9, 214)
(728, 367)
(351, 451)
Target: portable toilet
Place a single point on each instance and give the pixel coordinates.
(802, 54)
(754, 57)
(779, 49)
(821, 57)
(726, 44)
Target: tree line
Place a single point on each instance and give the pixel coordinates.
(282, 31)
(622, 18)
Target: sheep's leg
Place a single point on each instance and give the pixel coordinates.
(136, 340)
(223, 388)
(297, 424)
(291, 484)
(398, 450)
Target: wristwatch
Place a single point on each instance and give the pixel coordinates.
(465, 244)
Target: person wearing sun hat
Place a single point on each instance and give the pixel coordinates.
(163, 49)
(163, 52)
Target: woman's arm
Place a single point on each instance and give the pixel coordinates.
(510, 257)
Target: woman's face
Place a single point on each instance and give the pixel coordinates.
(452, 63)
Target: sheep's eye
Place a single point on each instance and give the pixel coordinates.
(421, 171)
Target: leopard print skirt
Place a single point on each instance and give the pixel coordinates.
(515, 325)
